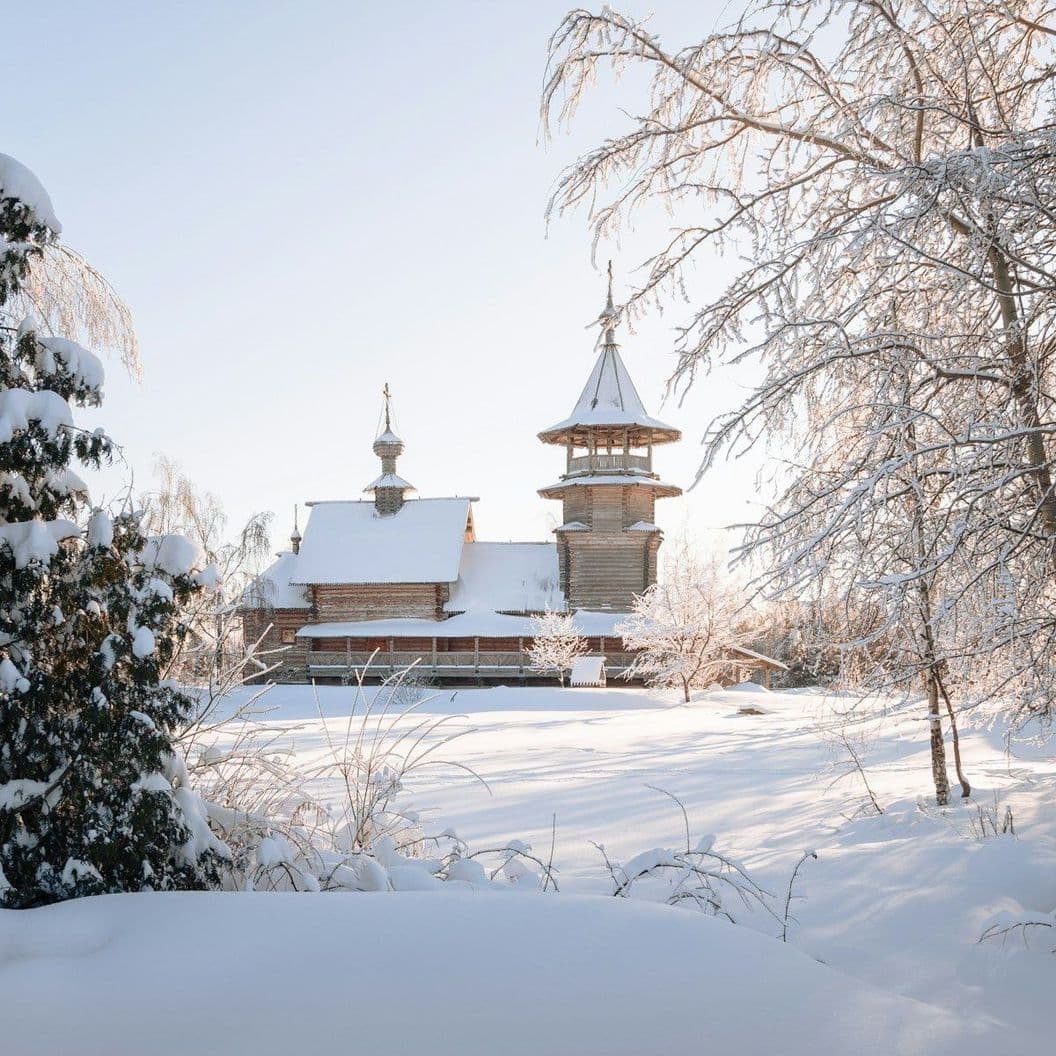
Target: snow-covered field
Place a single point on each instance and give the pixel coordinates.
(892, 908)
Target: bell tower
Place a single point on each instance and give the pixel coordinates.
(608, 540)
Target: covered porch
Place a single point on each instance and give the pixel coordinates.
(474, 646)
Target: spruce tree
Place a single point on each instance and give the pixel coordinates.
(92, 798)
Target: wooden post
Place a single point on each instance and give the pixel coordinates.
(392, 649)
(348, 654)
(476, 656)
(434, 655)
(520, 657)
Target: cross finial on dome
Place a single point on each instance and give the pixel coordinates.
(390, 488)
(608, 315)
(295, 539)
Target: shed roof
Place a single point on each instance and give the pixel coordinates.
(350, 542)
(587, 671)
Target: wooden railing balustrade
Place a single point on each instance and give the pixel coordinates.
(603, 461)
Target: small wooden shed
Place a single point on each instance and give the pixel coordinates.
(587, 671)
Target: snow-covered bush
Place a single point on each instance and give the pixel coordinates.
(384, 741)
(92, 797)
(280, 836)
(695, 875)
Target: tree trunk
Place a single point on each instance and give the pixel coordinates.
(1024, 390)
(685, 690)
(955, 737)
(938, 747)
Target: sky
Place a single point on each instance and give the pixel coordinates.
(303, 201)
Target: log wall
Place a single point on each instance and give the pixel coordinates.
(609, 507)
(338, 603)
(606, 569)
(279, 624)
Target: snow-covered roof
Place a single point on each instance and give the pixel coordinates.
(629, 480)
(643, 526)
(587, 671)
(389, 480)
(769, 661)
(572, 526)
(350, 542)
(464, 625)
(480, 623)
(272, 589)
(598, 624)
(610, 399)
(507, 577)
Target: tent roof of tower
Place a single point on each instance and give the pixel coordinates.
(610, 403)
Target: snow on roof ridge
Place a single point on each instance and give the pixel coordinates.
(512, 542)
(370, 502)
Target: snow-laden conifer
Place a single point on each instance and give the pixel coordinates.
(92, 798)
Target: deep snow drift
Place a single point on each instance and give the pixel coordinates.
(453, 974)
(894, 905)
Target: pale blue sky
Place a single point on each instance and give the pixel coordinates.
(300, 201)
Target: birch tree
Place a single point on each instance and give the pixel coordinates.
(879, 177)
(555, 643)
(214, 653)
(686, 629)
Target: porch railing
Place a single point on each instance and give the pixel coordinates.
(607, 462)
(452, 663)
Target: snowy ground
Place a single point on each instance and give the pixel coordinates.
(892, 908)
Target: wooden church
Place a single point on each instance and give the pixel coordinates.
(405, 579)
